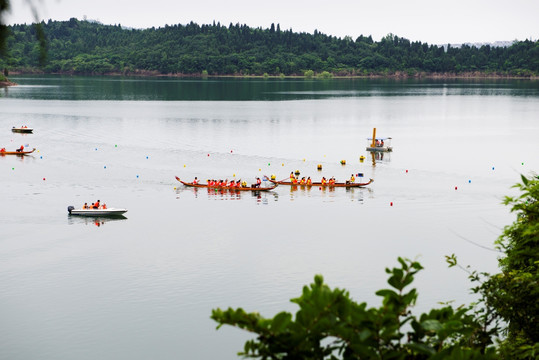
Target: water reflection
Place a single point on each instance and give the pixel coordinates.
(227, 194)
(93, 220)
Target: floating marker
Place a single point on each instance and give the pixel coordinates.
(282, 164)
(407, 171)
(146, 157)
(303, 160)
(174, 187)
(268, 164)
(208, 154)
(183, 165)
(455, 188)
(493, 168)
(230, 151)
(95, 149)
(41, 157)
(115, 145)
(469, 181)
(12, 168)
(234, 175)
(320, 188)
(104, 167)
(137, 176)
(43, 179)
(522, 163)
(391, 203)
(259, 169)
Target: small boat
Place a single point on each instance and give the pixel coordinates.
(345, 184)
(96, 212)
(17, 152)
(227, 187)
(379, 144)
(22, 129)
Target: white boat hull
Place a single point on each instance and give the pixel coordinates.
(98, 212)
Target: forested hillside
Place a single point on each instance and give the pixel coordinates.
(83, 47)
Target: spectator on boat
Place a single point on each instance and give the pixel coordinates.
(352, 179)
(20, 149)
(309, 181)
(382, 143)
(195, 181)
(85, 206)
(104, 206)
(96, 205)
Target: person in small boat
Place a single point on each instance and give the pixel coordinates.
(20, 149)
(352, 178)
(104, 206)
(195, 181)
(258, 182)
(331, 181)
(3, 150)
(382, 143)
(238, 183)
(302, 181)
(292, 177)
(97, 204)
(324, 181)
(309, 182)
(85, 206)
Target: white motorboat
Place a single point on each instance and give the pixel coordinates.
(22, 129)
(96, 212)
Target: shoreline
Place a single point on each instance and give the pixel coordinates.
(398, 75)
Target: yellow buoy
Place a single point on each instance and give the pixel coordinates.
(319, 167)
(343, 162)
(272, 177)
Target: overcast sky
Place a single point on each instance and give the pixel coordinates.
(431, 21)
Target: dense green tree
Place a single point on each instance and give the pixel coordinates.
(75, 46)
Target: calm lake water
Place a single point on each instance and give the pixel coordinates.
(144, 287)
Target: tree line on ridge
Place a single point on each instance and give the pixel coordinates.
(84, 47)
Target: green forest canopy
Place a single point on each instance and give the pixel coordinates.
(84, 47)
